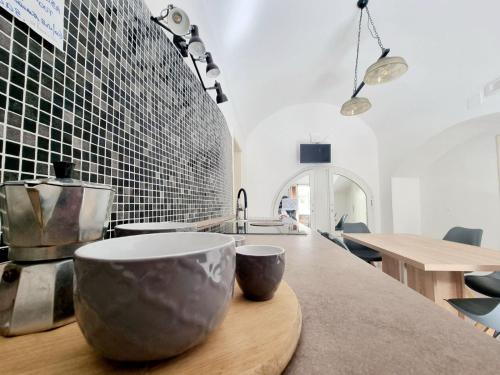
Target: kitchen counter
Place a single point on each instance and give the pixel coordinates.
(358, 320)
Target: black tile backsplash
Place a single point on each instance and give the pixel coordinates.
(123, 105)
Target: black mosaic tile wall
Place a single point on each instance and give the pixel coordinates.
(122, 104)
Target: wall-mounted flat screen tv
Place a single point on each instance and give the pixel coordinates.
(315, 153)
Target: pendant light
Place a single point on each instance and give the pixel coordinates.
(385, 69)
(356, 106)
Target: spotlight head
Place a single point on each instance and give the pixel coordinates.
(221, 97)
(213, 70)
(196, 46)
(176, 20)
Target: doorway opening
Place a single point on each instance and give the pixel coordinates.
(319, 197)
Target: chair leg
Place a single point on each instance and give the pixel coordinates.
(490, 332)
(487, 330)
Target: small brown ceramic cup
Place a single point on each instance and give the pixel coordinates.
(259, 270)
(238, 239)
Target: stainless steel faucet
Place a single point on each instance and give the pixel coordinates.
(243, 209)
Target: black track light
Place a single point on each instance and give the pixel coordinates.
(196, 46)
(221, 97)
(213, 70)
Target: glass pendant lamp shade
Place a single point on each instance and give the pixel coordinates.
(355, 106)
(385, 69)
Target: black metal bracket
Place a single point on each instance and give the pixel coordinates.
(198, 72)
(157, 21)
(362, 84)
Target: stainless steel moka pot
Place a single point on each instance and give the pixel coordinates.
(44, 222)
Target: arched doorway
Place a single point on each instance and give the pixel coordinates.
(318, 197)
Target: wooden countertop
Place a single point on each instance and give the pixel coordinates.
(430, 254)
(358, 320)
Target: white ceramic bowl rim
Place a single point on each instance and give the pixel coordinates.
(260, 250)
(153, 246)
(155, 226)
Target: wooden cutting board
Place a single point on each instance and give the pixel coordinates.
(255, 338)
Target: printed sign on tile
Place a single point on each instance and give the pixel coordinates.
(46, 17)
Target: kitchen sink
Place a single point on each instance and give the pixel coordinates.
(262, 226)
(274, 223)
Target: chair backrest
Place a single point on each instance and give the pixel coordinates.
(324, 234)
(464, 235)
(355, 228)
(340, 224)
(337, 241)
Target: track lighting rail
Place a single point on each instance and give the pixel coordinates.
(180, 28)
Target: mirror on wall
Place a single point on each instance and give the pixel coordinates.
(319, 198)
(349, 200)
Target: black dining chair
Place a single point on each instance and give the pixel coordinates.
(361, 251)
(338, 241)
(463, 235)
(340, 224)
(324, 234)
(482, 310)
(488, 285)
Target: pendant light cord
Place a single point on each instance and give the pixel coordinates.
(373, 30)
(357, 53)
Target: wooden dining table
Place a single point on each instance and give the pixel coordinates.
(434, 268)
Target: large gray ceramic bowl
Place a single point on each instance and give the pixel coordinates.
(153, 296)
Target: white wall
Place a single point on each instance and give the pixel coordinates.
(271, 156)
(406, 205)
(461, 189)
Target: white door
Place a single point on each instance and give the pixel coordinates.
(320, 200)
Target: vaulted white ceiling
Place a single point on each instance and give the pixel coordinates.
(276, 53)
